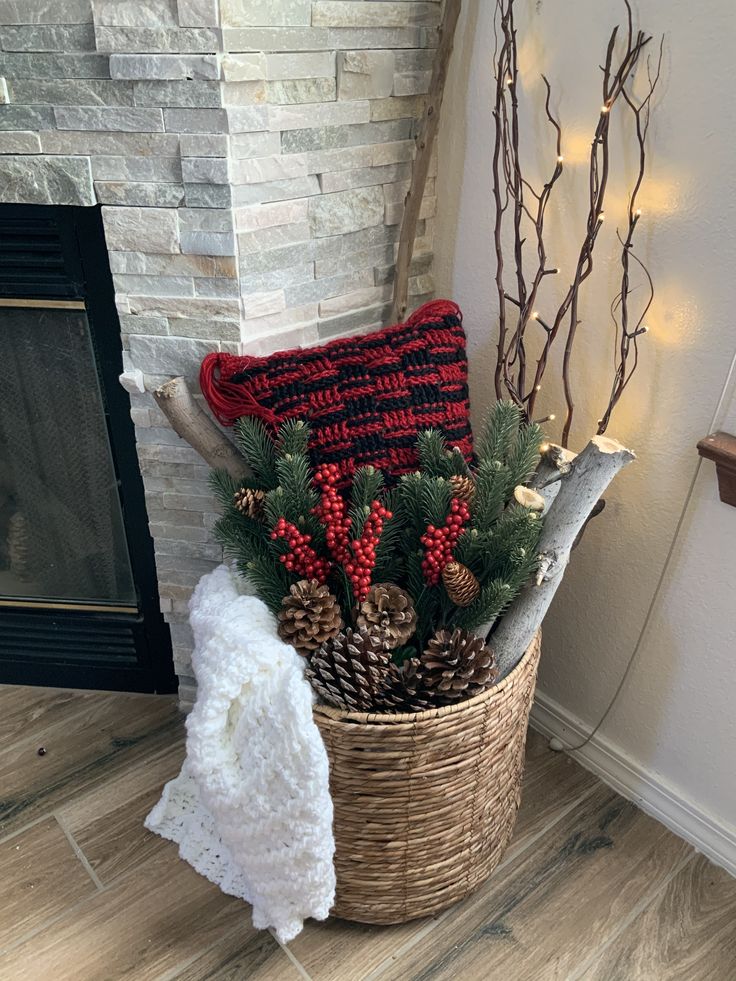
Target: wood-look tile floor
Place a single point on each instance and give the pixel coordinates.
(590, 889)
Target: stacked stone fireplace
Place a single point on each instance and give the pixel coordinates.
(250, 158)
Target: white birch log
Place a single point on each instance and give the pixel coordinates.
(189, 421)
(585, 480)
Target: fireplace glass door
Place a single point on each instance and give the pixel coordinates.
(79, 604)
(62, 540)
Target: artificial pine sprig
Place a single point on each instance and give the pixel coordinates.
(257, 446)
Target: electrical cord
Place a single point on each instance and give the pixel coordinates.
(556, 743)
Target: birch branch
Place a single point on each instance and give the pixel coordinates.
(587, 478)
(190, 421)
(424, 144)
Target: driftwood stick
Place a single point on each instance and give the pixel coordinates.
(424, 144)
(189, 421)
(580, 488)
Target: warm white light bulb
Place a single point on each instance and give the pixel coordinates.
(601, 216)
(537, 388)
(638, 212)
(644, 329)
(551, 417)
(509, 80)
(605, 108)
(560, 159)
(535, 315)
(544, 448)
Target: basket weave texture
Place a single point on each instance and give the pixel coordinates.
(425, 803)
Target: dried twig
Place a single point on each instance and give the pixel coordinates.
(424, 144)
(528, 208)
(628, 332)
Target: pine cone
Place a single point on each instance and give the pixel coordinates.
(309, 616)
(349, 671)
(456, 665)
(388, 611)
(463, 488)
(461, 585)
(249, 502)
(402, 689)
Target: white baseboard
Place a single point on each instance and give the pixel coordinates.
(682, 816)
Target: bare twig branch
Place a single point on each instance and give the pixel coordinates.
(424, 144)
(528, 209)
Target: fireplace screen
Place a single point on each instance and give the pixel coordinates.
(62, 538)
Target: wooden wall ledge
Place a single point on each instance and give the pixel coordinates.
(721, 448)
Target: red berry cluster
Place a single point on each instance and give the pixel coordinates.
(439, 542)
(301, 557)
(331, 512)
(363, 560)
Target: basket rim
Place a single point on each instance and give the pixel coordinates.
(394, 718)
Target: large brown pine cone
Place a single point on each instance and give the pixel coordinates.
(249, 502)
(349, 671)
(388, 610)
(402, 688)
(309, 616)
(455, 666)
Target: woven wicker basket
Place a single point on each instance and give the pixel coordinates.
(425, 803)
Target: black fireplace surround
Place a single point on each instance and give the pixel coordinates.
(79, 603)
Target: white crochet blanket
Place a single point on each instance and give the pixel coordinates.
(251, 808)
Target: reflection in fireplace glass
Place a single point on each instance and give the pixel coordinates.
(61, 528)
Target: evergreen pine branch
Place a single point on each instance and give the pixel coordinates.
(238, 534)
(391, 549)
(491, 489)
(524, 457)
(299, 495)
(458, 464)
(224, 487)
(293, 438)
(434, 459)
(516, 529)
(268, 576)
(493, 599)
(498, 433)
(367, 485)
(257, 446)
(409, 503)
(436, 497)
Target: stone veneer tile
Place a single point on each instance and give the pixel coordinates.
(150, 229)
(197, 13)
(56, 180)
(49, 37)
(297, 39)
(155, 194)
(346, 211)
(21, 142)
(164, 67)
(143, 40)
(119, 119)
(365, 74)
(347, 13)
(267, 13)
(45, 11)
(71, 92)
(244, 67)
(56, 66)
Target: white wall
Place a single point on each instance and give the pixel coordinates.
(673, 726)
